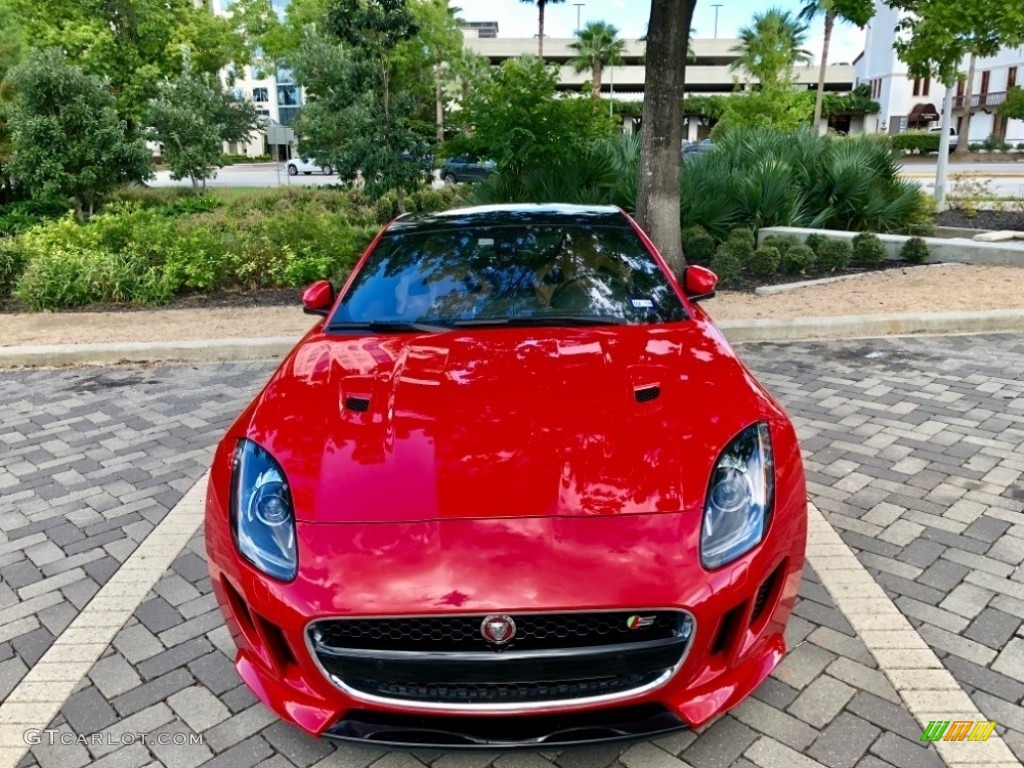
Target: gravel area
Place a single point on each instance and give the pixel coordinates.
(985, 220)
(895, 291)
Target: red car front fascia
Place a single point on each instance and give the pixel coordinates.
(480, 566)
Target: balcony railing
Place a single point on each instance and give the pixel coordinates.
(981, 100)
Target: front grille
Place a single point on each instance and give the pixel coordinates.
(554, 657)
(501, 693)
(452, 634)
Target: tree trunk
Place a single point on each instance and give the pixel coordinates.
(964, 141)
(540, 28)
(440, 103)
(657, 198)
(819, 102)
(595, 81)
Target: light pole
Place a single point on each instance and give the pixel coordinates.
(578, 7)
(716, 6)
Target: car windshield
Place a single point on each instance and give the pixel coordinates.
(505, 275)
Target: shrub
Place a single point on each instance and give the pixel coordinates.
(915, 251)
(917, 142)
(1020, 147)
(975, 146)
(834, 255)
(743, 235)
(815, 241)
(690, 232)
(765, 262)
(782, 243)
(869, 250)
(12, 264)
(700, 249)
(799, 260)
(994, 143)
(728, 264)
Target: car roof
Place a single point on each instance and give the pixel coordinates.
(503, 215)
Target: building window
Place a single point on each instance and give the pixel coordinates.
(1011, 78)
(927, 89)
(986, 80)
(917, 86)
(260, 95)
(287, 96)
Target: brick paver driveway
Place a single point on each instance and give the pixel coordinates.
(915, 450)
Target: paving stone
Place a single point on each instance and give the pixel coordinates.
(642, 755)
(993, 628)
(900, 751)
(802, 665)
(215, 671)
(720, 745)
(884, 714)
(32, 645)
(174, 746)
(957, 645)
(60, 755)
(150, 693)
(136, 643)
(303, 751)
(975, 676)
(943, 575)
(863, 678)
(770, 721)
(821, 701)
(1010, 661)
(966, 600)
(844, 742)
(112, 675)
(87, 711)
(238, 699)
(157, 615)
(172, 658)
(239, 727)
(776, 693)
(11, 672)
(842, 645)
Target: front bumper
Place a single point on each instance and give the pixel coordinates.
(528, 565)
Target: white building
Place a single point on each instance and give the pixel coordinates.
(909, 103)
(275, 93)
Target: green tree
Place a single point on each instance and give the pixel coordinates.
(857, 12)
(12, 48)
(517, 119)
(657, 198)
(541, 6)
(771, 46)
(781, 108)
(1013, 107)
(67, 138)
(940, 34)
(598, 45)
(134, 44)
(192, 116)
(367, 100)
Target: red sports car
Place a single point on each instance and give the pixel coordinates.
(513, 489)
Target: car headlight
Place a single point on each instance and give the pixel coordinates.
(740, 498)
(262, 517)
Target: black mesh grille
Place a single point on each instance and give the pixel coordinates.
(497, 693)
(764, 594)
(647, 394)
(462, 633)
(357, 404)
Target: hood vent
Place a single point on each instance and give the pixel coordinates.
(357, 404)
(647, 394)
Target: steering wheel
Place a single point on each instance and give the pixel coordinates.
(571, 281)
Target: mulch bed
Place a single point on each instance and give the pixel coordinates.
(269, 297)
(987, 220)
(749, 284)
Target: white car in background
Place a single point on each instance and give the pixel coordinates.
(307, 166)
(954, 139)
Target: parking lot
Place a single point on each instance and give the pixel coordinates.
(914, 451)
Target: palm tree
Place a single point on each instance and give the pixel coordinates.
(541, 5)
(598, 45)
(771, 46)
(858, 12)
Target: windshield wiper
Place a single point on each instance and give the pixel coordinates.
(388, 326)
(540, 320)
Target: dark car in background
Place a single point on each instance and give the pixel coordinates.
(457, 170)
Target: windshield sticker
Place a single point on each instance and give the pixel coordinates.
(642, 303)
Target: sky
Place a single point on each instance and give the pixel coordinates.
(516, 19)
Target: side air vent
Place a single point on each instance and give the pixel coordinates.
(358, 404)
(647, 394)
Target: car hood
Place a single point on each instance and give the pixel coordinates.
(503, 423)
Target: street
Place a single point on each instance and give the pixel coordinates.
(255, 175)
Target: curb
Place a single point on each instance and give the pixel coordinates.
(853, 326)
(736, 331)
(771, 290)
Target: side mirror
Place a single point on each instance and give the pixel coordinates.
(699, 283)
(318, 298)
